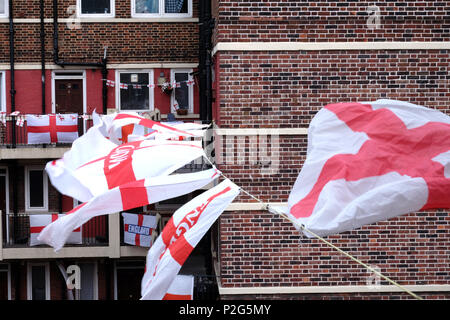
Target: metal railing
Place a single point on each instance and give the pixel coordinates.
(13, 131)
(16, 230)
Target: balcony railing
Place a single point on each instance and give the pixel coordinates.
(13, 135)
(16, 231)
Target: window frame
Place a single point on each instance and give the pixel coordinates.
(3, 91)
(28, 208)
(161, 13)
(151, 94)
(190, 88)
(30, 279)
(6, 14)
(95, 280)
(96, 15)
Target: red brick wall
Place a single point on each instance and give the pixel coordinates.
(330, 20)
(285, 89)
(127, 42)
(261, 249)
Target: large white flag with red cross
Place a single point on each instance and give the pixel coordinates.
(128, 126)
(368, 162)
(121, 164)
(180, 236)
(52, 128)
(126, 196)
(39, 221)
(138, 229)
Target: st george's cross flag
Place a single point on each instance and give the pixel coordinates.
(368, 162)
(39, 221)
(137, 124)
(119, 165)
(125, 197)
(138, 229)
(52, 128)
(182, 288)
(179, 237)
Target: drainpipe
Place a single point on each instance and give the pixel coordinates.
(41, 4)
(63, 64)
(206, 24)
(11, 59)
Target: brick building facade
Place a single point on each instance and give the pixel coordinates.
(276, 64)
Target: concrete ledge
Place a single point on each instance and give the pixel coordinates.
(261, 131)
(327, 46)
(331, 289)
(48, 253)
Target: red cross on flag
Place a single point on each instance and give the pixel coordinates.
(51, 128)
(123, 164)
(179, 237)
(39, 221)
(368, 162)
(138, 229)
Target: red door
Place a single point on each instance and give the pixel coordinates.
(69, 96)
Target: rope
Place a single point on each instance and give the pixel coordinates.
(303, 228)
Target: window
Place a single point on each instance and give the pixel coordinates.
(161, 8)
(38, 281)
(183, 93)
(4, 9)
(36, 189)
(2, 91)
(95, 8)
(133, 92)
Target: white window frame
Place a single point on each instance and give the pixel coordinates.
(30, 279)
(96, 15)
(151, 95)
(191, 89)
(27, 187)
(161, 13)
(6, 14)
(3, 91)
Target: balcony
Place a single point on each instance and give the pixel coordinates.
(14, 138)
(16, 231)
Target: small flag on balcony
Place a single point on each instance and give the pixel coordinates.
(123, 86)
(51, 128)
(39, 221)
(110, 83)
(138, 229)
(182, 288)
(20, 121)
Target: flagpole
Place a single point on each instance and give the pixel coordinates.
(302, 227)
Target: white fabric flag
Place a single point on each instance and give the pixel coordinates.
(368, 162)
(182, 288)
(138, 228)
(180, 236)
(124, 197)
(122, 164)
(51, 128)
(39, 221)
(127, 124)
